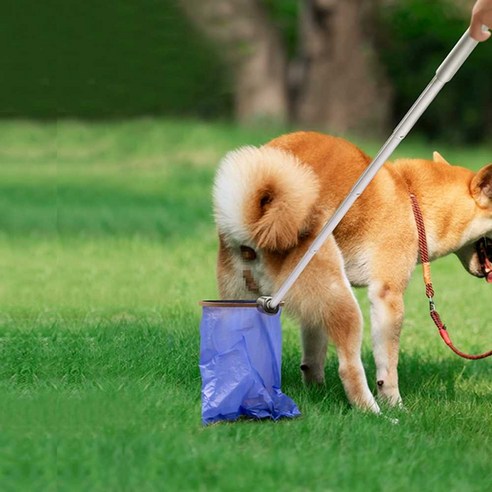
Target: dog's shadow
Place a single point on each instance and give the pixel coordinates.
(422, 378)
(446, 377)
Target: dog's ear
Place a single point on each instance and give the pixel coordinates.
(437, 157)
(481, 187)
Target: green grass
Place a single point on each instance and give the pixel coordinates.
(106, 246)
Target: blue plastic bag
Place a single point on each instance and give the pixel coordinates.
(240, 363)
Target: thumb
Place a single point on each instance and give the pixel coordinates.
(476, 30)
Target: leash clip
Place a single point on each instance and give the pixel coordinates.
(432, 305)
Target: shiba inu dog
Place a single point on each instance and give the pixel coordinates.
(270, 203)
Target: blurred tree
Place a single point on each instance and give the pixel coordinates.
(310, 61)
(253, 46)
(338, 81)
(332, 78)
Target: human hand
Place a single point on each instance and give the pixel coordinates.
(481, 15)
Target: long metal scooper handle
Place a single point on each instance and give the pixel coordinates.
(444, 74)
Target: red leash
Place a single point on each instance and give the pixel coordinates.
(429, 290)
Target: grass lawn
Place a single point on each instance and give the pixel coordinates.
(106, 246)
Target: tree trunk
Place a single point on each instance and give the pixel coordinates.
(252, 45)
(336, 80)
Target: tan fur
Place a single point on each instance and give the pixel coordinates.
(275, 221)
(481, 187)
(271, 175)
(287, 203)
(437, 157)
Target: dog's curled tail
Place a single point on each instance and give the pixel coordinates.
(265, 197)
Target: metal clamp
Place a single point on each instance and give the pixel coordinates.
(264, 305)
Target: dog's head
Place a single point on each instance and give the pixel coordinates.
(476, 256)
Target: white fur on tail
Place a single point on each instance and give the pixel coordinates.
(263, 197)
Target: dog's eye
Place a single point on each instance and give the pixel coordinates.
(247, 253)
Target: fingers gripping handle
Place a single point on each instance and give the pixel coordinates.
(444, 74)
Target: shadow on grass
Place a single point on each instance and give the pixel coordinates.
(421, 376)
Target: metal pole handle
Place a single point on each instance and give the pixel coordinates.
(444, 74)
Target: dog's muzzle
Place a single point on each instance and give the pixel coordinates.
(484, 252)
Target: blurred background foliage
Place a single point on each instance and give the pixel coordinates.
(123, 58)
(415, 35)
(110, 59)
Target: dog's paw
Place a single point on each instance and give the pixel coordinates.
(312, 377)
(389, 395)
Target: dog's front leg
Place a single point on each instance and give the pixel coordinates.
(386, 319)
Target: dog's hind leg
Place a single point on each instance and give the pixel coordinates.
(328, 310)
(386, 320)
(344, 323)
